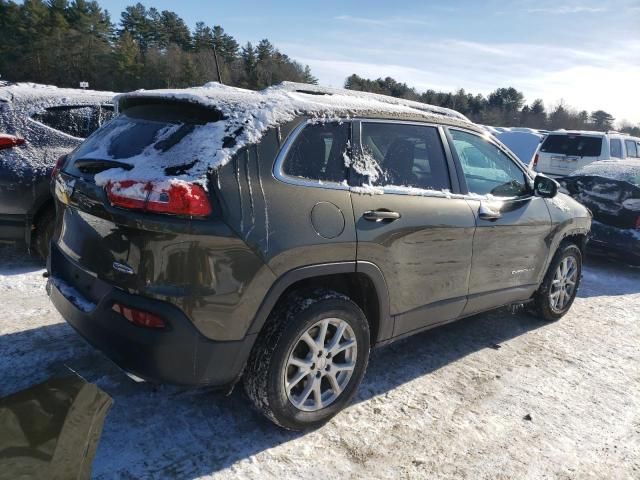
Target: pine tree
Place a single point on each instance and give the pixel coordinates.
(602, 120)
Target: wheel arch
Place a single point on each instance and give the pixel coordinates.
(362, 282)
(577, 236)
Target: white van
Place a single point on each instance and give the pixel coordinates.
(563, 151)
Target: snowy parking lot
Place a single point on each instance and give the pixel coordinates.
(498, 395)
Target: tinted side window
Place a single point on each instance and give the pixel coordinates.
(632, 150)
(318, 153)
(405, 155)
(79, 121)
(616, 148)
(486, 169)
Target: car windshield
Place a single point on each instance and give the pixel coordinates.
(573, 145)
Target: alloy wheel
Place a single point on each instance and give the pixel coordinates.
(320, 364)
(563, 285)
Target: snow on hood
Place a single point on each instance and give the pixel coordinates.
(621, 170)
(18, 103)
(247, 115)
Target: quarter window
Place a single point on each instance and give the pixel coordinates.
(318, 153)
(487, 170)
(632, 149)
(616, 148)
(403, 155)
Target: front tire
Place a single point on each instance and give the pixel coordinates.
(560, 285)
(309, 360)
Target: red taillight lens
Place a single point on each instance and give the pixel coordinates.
(10, 141)
(139, 317)
(535, 161)
(179, 199)
(174, 198)
(58, 166)
(128, 194)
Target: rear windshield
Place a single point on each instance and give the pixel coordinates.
(572, 145)
(144, 129)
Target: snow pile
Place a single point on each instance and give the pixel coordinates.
(18, 104)
(246, 116)
(521, 141)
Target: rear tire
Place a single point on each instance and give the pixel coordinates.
(299, 375)
(44, 226)
(560, 285)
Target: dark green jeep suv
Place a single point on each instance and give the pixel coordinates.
(216, 234)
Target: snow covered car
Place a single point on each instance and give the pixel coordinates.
(38, 124)
(611, 190)
(564, 151)
(215, 233)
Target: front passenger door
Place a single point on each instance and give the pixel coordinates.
(408, 225)
(510, 245)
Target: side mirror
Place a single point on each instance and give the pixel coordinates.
(545, 187)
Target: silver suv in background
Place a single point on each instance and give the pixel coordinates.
(565, 151)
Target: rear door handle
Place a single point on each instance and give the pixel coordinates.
(379, 215)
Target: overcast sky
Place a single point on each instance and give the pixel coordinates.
(585, 53)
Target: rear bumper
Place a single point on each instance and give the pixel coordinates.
(178, 354)
(619, 243)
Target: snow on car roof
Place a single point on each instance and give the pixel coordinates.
(29, 97)
(246, 116)
(288, 97)
(622, 170)
(577, 132)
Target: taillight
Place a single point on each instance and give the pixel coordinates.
(139, 317)
(128, 194)
(58, 166)
(535, 161)
(172, 197)
(10, 141)
(638, 222)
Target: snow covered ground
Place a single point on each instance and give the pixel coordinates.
(499, 395)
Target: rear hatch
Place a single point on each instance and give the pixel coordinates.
(563, 152)
(118, 231)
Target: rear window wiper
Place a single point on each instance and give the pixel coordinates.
(93, 166)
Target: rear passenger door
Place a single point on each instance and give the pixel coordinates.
(510, 246)
(309, 190)
(407, 223)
